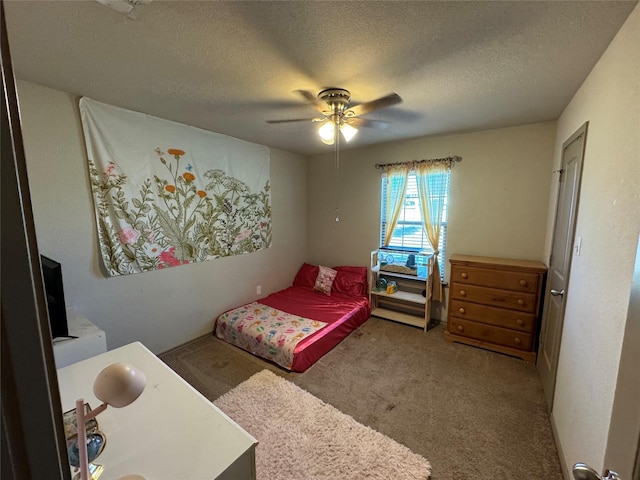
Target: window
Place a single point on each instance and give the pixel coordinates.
(409, 234)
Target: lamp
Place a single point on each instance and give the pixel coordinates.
(118, 385)
(327, 130)
(348, 132)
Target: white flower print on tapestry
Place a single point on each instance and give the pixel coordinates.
(167, 194)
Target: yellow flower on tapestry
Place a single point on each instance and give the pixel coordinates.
(178, 216)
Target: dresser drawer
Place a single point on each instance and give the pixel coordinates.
(493, 316)
(490, 334)
(525, 302)
(518, 281)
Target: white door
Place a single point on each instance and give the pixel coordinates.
(560, 262)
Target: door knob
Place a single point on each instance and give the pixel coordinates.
(582, 471)
(555, 293)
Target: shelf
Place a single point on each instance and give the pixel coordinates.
(398, 275)
(399, 317)
(408, 304)
(401, 295)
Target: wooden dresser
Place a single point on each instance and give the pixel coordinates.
(494, 303)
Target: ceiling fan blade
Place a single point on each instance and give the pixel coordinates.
(313, 100)
(382, 102)
(365, 122)
(289, 120)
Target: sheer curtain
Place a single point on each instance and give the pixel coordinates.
(431, 206)
(397, 176)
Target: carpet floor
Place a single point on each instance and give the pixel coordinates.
(474, 414)
(303, 438)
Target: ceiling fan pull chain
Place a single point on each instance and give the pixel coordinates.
(337, 146)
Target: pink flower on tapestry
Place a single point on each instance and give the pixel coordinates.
(128, 236)
(242, 236)
(108, 171)
(150, 234)
(168, 258)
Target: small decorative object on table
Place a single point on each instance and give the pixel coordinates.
(69, 420)
(95, 439)
(118, 385)
(95, 444)
(381, 284)
(392, 287)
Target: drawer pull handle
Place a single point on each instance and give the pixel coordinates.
(463, 293)
(523, 283)
(461, 328)
(519, 321)
(461, 310)
(517, 340)
(520, 301)
(464, 275)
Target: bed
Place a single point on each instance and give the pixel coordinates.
(296, 326)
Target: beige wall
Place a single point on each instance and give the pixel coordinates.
(499, 194)
(609, 224)
(163, 308)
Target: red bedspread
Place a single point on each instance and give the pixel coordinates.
(344, 310)
(342, 313)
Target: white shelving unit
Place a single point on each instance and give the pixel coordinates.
(408, 304)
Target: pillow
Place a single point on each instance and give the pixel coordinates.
(351, 280)
(362, 272)
(350, 284)
(324, 280)
(306, 276)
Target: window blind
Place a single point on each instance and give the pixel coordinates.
(410, 234)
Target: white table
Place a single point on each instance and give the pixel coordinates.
(171, 432)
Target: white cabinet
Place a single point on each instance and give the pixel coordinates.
(411, 303)
(89, 341)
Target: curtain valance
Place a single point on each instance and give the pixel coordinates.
(413, 164)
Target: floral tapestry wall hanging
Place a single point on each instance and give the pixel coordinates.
(167, 194)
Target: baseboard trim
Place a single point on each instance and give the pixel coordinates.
(563, 463)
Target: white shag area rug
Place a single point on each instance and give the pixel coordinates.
(302, 438)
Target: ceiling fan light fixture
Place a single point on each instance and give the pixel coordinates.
(338, 118)
(348, 132)
(327, 132)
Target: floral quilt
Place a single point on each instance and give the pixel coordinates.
(266, 331)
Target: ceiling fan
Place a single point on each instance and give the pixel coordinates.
(337, 116)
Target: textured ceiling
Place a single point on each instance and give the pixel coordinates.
(228, 66)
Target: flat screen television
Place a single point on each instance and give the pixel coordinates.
(52, 276)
